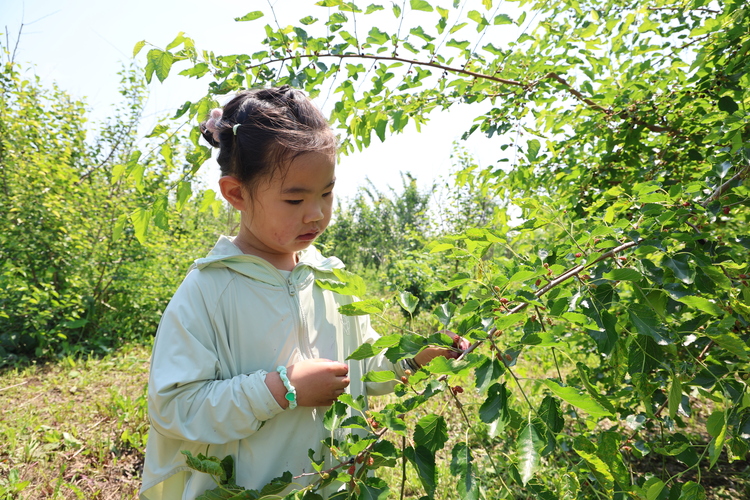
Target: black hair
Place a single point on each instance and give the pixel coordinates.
(262, 130)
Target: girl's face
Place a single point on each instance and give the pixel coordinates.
(288, 212)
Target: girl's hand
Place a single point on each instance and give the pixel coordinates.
(427, 354)
(318, 382)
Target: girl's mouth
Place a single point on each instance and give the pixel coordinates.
(308, 236)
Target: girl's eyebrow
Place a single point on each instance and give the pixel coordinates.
(304, 190)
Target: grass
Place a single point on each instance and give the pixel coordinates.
(77, 429)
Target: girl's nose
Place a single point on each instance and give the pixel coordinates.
(314, 214)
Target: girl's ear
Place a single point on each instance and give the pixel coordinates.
(231, 189)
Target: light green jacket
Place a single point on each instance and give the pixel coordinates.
(234, 318)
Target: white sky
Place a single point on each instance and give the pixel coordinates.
(81, 44)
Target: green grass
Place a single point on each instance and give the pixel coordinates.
(75, 429)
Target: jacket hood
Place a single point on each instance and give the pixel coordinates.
(226, 254)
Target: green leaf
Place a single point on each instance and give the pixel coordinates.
(655, 489)
(250, 16)
(431, 432)
(528, 446)
(588, 452)
(680, 266)
(118, 227)
(624, 274)
(504, 322)
(716, 426)
(373, 488)
(379, 376)
(408, 301)
(727, 104)
(424, 462)
(608, 450)
(702, 304)
(138, 47)
(420, 5)
(732, 343)
(532, 150)
(159, 62)
(550, 413)
(675, 396)
(502, 19)
(364, 351)
(692, 491)
(578, 399)
(184, 191)
(347, 284)
(369, 306)
(495, 406)
(462, 467)
(277, 484)
(646, 323)
(140, 219)
(335, 415)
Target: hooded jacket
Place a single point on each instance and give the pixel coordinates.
(234, 318)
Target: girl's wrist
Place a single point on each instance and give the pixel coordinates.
(277, 388)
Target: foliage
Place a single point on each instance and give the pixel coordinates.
(75, 274)
(630, 145)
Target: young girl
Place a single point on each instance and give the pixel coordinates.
(250, 352)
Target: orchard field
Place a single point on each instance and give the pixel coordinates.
(600, 268)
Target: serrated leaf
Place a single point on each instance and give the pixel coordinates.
(502, 19)
(424, 463)
(495, 406)
(550, 413)
(702, 304)
(732, 343)
(625, 274)
(138, 46)
(462, 467)
(431, 432)
(379, 376)
(277, 484)
(408, 301)
(578, 399)
(158, 62)
(587, 451)
(362, 307)
(681, 268)
(528, 446)
(141, 218)
(364, 351)
(184, 191)
(420, 5)
(250, 16)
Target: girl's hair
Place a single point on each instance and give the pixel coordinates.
(260, 131)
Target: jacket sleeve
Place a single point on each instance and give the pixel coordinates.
(378, 362)
(189, 396)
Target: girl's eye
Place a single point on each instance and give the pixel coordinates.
(294, 202)
(326, 195)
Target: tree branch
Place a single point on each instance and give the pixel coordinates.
(726, 186)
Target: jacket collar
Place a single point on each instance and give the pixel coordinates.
(226, 254)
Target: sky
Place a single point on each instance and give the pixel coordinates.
(82, 44)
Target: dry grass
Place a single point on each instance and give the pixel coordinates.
(75, 429)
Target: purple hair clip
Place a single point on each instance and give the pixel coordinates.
(213, 122)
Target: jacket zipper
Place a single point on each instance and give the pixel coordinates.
(303, 339)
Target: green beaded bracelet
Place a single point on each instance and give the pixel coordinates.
(291, 394)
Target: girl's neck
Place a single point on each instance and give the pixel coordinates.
(284, 262)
